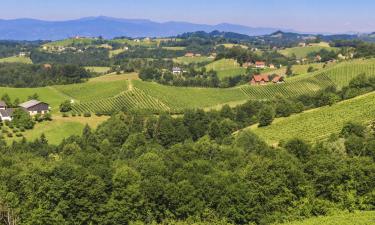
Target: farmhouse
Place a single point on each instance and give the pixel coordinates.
(189, 54)
(260, 65)
(34, 107)
(5, 113)
(3, 105)
(260, 80)
(176, 70)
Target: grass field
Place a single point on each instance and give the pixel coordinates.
(302, 52)
(234, 45)
(226, 68)
(357, 218)
(93, 90)
(177, 48)
(189, 60)
(298, 69)
(98, 69)
(60, 128)
(16, 59)
(318, 124)
(70, 42)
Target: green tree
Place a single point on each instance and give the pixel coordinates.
(66, 106)
(266, 116)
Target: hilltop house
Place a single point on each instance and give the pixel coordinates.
(265, 79)
(176, 70)
(34, 107)
(260, 65)
(189, 54)
(260, 80)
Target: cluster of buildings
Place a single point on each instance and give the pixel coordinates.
(190, 54)
(32, 107)
(264, 79)
(259, 65)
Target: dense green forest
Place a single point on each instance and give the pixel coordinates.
(25, 75)
(162, 169)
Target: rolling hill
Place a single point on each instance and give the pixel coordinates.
(320, 123)
(32, 29)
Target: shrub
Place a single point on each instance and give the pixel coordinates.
(87, 114)
(65, 115)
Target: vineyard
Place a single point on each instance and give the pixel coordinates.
(130, 100)
(318, 124)
(290, 88)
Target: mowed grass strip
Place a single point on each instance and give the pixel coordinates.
(356, 218)
(226, 68)
(61, 127)
(320, 123)
(16, 59)
(94, 90)
(189, 60)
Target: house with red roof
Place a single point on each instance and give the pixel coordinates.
(260, 79)
(260, 65)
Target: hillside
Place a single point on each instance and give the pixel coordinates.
(318, 124)
(302, 52)
(31, 29)
(112, 91)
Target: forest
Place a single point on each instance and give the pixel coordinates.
(138, 167)
(25, 75)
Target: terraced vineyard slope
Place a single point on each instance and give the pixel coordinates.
(318, 124)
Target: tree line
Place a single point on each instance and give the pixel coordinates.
(25, 75)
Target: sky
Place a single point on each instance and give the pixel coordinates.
(329, 16)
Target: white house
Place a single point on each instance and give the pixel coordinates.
(176, 70)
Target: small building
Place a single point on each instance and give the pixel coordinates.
(260, 65)
(5, 113)
(176, 70)
(272, 66)
(189, 54)
(260, 79)
(278, 79)
(34, 107)
(302, 44)
(198, 55)
(318, 58)
(22, 54)
(3, 105)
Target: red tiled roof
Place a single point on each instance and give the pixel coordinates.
(259, 78)
(260, 63)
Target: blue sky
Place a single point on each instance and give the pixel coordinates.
(302, 15)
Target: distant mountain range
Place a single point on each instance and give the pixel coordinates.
(107, 27)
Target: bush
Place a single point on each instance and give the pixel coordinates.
(19, 135)
(10, 135)
(64, 115)
(87, 114)
(66, 106)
